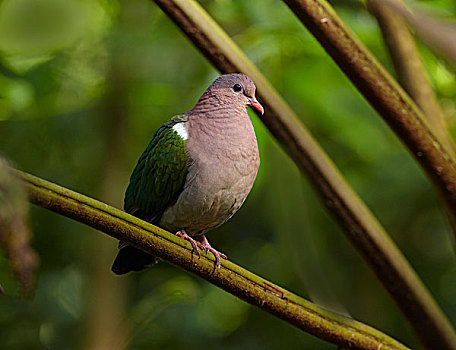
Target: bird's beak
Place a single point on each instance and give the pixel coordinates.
(255, 104)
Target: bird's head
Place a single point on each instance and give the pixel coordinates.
(234, 90)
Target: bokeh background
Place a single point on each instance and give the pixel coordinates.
(83, 86)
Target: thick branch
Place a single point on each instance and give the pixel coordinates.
(437, 33)
(382, 92)
(409, 66)
(358, 223)
(410, 70)
(245, 285)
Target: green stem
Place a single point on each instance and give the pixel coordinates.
(357, 222)
(243, 284)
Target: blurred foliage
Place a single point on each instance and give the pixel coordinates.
(59, 59)
(15, 234)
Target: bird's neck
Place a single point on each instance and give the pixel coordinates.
(213, 107)
(212, 117)
(214, 126)
(222, 120)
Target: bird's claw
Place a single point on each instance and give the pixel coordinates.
(182, 234)
(204, 244)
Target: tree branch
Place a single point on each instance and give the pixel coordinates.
(437, 33)
(409, 66)
(410, 71)
(234, 279)
(382, 92)
(358, 223)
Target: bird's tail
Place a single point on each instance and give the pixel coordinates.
(131, 259)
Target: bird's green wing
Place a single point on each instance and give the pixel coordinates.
(159, 176)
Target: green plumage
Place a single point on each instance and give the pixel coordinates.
(159, 175)
(192, 188)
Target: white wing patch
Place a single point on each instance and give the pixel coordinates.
(181, 131)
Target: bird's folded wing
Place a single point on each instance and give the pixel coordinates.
(159, 176)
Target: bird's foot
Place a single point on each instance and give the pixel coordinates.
(204, 244)
(182, 234)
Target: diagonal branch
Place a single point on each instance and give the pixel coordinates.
(409, 66)
(410, 70)
(358, 223)
(437, 33)
(382, 92)
(243, 284)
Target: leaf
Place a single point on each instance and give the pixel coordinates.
(15, 234)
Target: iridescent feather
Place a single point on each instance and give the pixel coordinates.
(159, 176)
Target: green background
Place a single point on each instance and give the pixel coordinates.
(83, 86)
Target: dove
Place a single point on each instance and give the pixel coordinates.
(197, 171)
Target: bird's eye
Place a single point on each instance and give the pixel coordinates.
(237, 88)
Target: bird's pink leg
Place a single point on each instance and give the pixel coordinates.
(204, 244)
(182, 234)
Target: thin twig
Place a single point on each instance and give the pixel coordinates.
(243, 284)
(358, 223)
